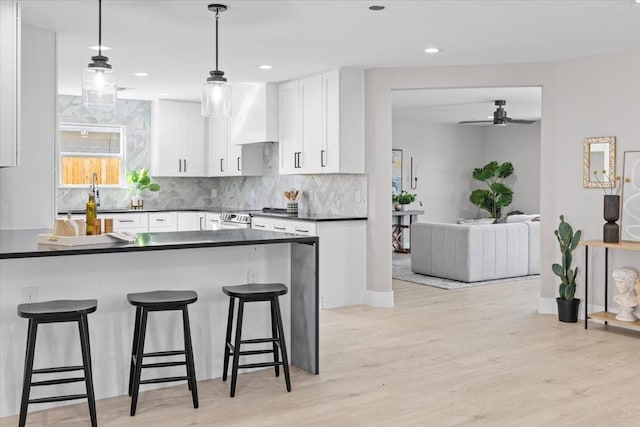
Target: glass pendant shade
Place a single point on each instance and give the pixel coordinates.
(216, 99)
(99, 87)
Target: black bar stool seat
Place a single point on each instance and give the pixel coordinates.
(146, 302)
(55, 312)
(253, 292)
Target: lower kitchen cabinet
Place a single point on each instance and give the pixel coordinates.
(163, 221)
(212, 220)
(342, 255)
(191, 221)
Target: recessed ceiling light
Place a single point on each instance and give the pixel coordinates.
(96, 47)
(432, 50)
(164, 94)
(141, 74)
(265, 67)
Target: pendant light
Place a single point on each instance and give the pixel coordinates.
(98, 79)
(216, 92)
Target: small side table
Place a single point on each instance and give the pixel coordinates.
(399, 228)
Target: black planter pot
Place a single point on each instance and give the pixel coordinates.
(568, 310)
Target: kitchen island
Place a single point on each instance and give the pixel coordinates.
(203, 261)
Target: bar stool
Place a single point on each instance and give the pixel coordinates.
(160, 301)
(253, 292)
(56, 312)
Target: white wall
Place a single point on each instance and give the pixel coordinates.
(444, 156)
(520, 145)
(26, 191)
(595, 96)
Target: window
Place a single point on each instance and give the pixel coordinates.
(88, 149)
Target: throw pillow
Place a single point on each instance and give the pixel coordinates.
(475, 221)
(523, 218)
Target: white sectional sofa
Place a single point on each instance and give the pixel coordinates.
(471, 253)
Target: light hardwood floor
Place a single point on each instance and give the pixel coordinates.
(478, 356)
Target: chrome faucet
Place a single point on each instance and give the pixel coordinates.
(94, 189)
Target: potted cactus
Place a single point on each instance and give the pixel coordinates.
(568, 241)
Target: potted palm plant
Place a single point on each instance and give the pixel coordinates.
(139, 182)
(568, 241)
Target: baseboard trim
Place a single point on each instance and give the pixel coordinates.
(378, 299)
(549, 306)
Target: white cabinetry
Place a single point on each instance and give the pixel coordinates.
(191, 221)
(260, 223)
(322, 123)
(177, 147)
(132, 222)
(212, 220)
(342, 265)
(163, 221)
(227, 159)
(9, 82)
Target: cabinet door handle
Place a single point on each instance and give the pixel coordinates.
(221, 165)
(258, 225)
(238, 164)
(179, 165)
(300, 159)
(201, 224)
(295, 159)
(159, 219)
(279, 228)
(301, 231)
(323, 154)
(125, 220)
(185, 165)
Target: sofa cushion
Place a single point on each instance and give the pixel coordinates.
(534, 246)
(470, 253)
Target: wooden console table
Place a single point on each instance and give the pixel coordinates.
(604, 316)
(398, 228)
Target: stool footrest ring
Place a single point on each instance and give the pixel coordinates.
(163, 380)
(58, 398)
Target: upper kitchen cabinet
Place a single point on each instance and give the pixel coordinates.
(322, 123)
(9, 82)
(178, 141)
(255, 113)
(227, 159)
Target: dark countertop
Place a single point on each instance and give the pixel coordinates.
(309, 217)
(127, 210)
(23, 243)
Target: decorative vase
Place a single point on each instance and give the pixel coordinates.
(404, 207)
(397, 207)
(611, 230)
(568, 310)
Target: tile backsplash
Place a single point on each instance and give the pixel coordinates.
(322, 194)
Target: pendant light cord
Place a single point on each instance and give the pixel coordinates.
(217, 16)
(100, 27)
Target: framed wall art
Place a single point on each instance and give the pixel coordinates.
(630, 218)
(396, 171)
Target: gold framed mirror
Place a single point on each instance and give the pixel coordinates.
(599, 162)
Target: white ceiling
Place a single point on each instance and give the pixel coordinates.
(174, 40)
(450, 106)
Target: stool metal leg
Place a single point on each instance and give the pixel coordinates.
(191, 370)
(28, 368)
(134, 348)
(86, 362)
(283, 346)
(227, 342)
(236, 348)
(274, 334)
(138, 364)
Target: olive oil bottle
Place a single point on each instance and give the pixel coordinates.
(91, 214)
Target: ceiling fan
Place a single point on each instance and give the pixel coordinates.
(500, 117)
